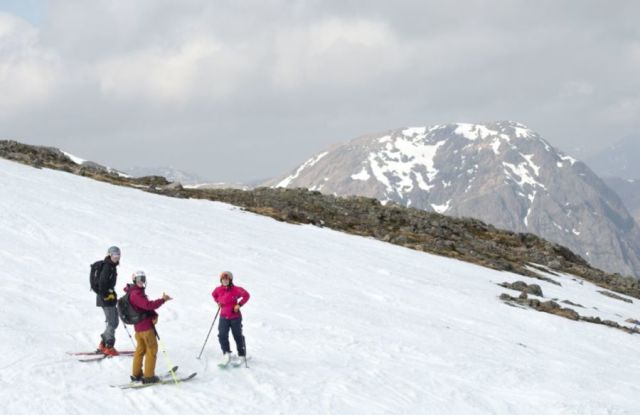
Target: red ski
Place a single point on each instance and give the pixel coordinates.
(99, 353)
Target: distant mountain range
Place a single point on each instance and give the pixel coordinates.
(629, 192)
(170, 173)
(618, 160)
(500, 172)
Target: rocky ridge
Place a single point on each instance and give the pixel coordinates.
(465, 239)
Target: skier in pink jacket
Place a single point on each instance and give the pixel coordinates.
(230, 298)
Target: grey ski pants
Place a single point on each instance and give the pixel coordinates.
(112, 320)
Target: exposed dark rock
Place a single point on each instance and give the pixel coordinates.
(523, 287)
(609, 323)
(550, 307)
(617, 297)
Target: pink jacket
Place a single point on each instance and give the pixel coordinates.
(227, 298)
(140, 302)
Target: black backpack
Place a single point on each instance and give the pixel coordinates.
(94, 275)
(127, 313)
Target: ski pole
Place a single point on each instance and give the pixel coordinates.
(129, 334)
(164, 353)
(210, 328)
(244, 345)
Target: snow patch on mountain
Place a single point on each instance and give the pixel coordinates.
(570, 159)
(495, 145)
(80, 161)
(308, 163)
(403, 158)
(474, 131)
(363, 175)
(441, 208)
(532, 165)
(523, 132)
(412, 131)
(73, 158)
(521, 174)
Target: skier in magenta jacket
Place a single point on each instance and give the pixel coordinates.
(230, 298)
(146, 343)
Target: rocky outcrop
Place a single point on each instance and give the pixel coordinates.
(553, 307)
(533, 289)
(617, 297)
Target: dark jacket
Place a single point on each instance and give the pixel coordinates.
(107, 284)
(142, 304)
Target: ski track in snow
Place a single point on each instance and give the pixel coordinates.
(337, 324)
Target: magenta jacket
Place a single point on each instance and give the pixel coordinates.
(227, 297)
(140, 302)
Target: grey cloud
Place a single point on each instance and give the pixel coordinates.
(236, 91)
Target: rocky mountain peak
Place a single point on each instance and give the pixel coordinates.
(500, 172)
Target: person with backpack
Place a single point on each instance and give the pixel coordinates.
(104, 276)
(146, 342)
(230, 298)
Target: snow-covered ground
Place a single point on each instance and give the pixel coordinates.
(337, 324)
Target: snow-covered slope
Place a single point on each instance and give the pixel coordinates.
(337, 324)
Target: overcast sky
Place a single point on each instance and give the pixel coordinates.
(239, 90)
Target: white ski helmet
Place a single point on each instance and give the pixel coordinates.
(139, 276)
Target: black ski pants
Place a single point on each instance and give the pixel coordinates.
(235, 325)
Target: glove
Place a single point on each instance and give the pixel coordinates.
(236, 308)
(110, 296)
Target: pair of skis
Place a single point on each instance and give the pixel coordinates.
(97, 355)
(235, 363)
(166, 379)
(170, 378)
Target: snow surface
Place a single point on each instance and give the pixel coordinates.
(363, 175)
(570, 159)
(441, 208)
(73, 158)
(337, 324)
(474, 131)
(81, 161)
